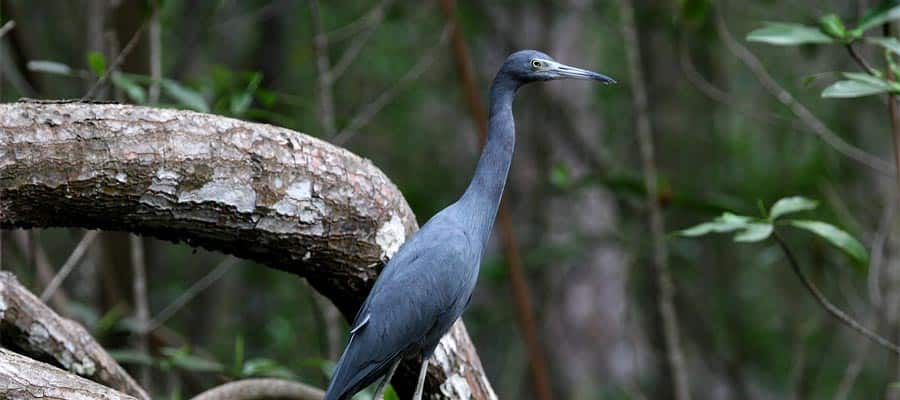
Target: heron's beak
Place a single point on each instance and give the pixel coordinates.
(568, 72)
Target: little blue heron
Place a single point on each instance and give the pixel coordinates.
(428, 283)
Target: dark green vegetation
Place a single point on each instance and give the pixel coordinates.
(733, 130)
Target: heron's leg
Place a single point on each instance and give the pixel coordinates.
(418, 394)
(379, 391)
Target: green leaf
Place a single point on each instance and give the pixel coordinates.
(727, 222)
(127, 356)
(560, 176)
(838, 238)
(238, 355)
(789, 205)
(886, 11)
(133, 90)
(754, 233)
(390, 393)
(184, 96)
(856, 88)
(265, 367)
(832, 25)
(240, 102)
(181, 358)
(782, 34)
(97, 62)
(50, 67)
(889, 43)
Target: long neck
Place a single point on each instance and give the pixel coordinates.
(482, 197)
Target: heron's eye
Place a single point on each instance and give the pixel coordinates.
(537, 64)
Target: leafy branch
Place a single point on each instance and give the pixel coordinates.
(750, 229)
(832, 30)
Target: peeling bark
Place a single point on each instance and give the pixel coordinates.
(30, 327)
(25, 378)
(256, 191)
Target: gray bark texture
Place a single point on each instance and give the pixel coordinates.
(30, 327)
(256, 191)
(24, 378)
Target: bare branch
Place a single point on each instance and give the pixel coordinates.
(854, 367)
(258, 389)
(323, 67)
(155, 54)
(828, 306)
(141, 308)
(806, 117)
(860, 60)
(8, 26)
(23, 378)
(45, 274)
(32, 328)
(188, 295)
(665, 287)
(359, 43)
(70, 264)
(117, 63)
(885, 226)
(366, 114)
(372, 17)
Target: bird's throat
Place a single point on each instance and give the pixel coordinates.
(482, 198)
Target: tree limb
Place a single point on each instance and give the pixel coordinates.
(267, 388)
(806, 117)
(32, 328)
(255, 191)
(24, 378)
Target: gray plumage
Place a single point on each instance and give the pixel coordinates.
(428, 283)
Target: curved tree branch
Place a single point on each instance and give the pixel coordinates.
(30, 327)
(256, 191)
(24, 378)
(267, 388)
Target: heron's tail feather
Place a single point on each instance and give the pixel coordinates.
(354, 372)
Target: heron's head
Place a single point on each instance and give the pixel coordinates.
(527, 66)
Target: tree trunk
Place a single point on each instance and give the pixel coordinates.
(256, 191)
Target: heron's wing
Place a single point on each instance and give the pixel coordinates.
(420, 289)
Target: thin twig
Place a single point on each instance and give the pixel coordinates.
(831, 308)
(142, 309)
(23, 241)
(362, 23)
(808, 118)
(8, 26)
(859, 59)
(358, 44)
(189, 294)
(70, 264)
(120, 58)
(155, 55)
(892, 109)
(705, 86)
(854, 367)
(330, 319)
(885, 226)
(674, 352)
(323, 69)
(366, 114)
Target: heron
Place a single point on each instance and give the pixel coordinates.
(428, 283)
